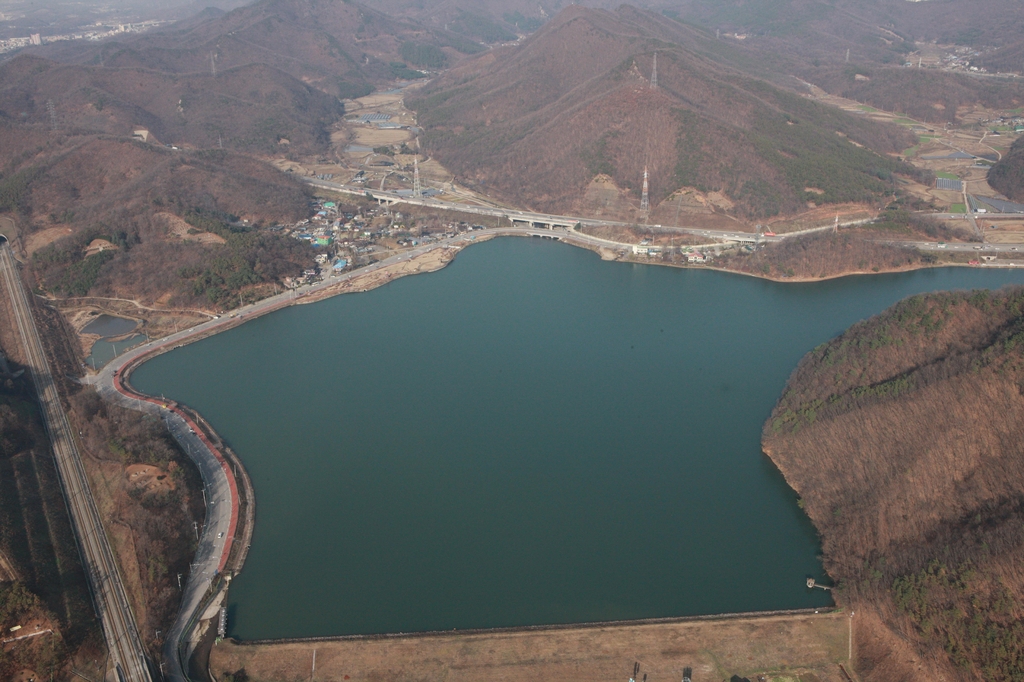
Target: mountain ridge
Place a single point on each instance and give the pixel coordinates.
(575, 101)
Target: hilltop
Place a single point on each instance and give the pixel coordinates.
(183, 228)
(876, 30)
(344, 49)
(539, 124)
(253, 108)
(901, 437)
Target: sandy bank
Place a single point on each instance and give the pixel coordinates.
(430, 261)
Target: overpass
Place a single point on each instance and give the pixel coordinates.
(517, 218)
(533, 219)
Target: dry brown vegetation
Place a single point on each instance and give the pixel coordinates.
(807, 647)
(823, 255)
(922, 94)
(860, 249)
(150, 525)
(1007, 176)
(794, 33)
(38, 556)
(48, 587)
(248, 108)
(902, 436)
(536, 123)
(125, 191)
(341, 48)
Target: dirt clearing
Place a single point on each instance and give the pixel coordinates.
(377, 137)
(806, 646)
(38, 240)
(148, 478)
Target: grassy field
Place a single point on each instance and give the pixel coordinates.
(958, 208)
(947, 176)
(789, 647)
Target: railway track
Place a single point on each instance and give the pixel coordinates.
(127, 654)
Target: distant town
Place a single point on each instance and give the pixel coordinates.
(98, 32)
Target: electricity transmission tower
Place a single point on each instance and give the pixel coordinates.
(645, 202)
(417, 191)
(52, 111)
(654, 73)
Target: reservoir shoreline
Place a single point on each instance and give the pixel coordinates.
(361, 280)
(592, 625)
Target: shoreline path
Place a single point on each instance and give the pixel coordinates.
(220, 487)
(219, 482)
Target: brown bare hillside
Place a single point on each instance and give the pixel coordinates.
(342, 48)
(902, 437)
(123, 191)
(923, 94)
(42, 582)
(1009, 57)
(536, 123)
(252, 108)
(150, 527)
(1007, 176)
(876, 30)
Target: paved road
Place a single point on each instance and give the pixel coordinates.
(564, 221)
(216, 534)
(215, 539)
(127, 654)
(980, 249)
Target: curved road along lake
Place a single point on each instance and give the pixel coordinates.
(528, 436)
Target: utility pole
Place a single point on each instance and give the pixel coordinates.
(654, 73)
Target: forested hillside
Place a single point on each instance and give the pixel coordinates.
(173, 221)
(345, 49)
(253, 108)
(539, 122)
(902, 438)
(41, 578)
(923, 94)
(1007, 176)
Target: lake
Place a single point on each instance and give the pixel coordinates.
(529, 436)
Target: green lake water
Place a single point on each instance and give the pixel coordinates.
(528, 436)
